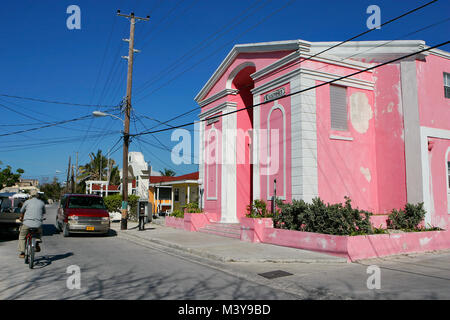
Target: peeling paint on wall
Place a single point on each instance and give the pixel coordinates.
(360, 112)
(424, 241)
(366, 173)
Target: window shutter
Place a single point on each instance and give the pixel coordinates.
(338, 108)
(447, 84)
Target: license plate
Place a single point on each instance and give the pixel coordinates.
(90, 228)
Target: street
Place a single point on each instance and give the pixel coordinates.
(127, 267)
(113, 268)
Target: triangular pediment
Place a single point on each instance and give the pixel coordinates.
(264, 47)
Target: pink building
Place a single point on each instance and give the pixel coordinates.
(381, 137)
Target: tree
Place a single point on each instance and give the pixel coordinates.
(52, 190)
(167, 172)
(8, 178)
(97, 169)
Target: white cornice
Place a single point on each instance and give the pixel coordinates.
(439, 53)
(315, 75)
(216, 109)
(248, 48)
(322, 58)
(218, 96)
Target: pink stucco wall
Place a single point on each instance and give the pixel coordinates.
(438, 157)
(389, 141)
(347, 168)
(434, 108)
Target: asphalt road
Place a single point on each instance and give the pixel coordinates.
(113, 268)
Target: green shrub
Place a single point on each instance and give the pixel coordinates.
(318, 217)
(258, 209)
(113, 203)
(192, 208)
(408, 219)
(177, 214)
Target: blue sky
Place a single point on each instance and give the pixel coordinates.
(42, 58)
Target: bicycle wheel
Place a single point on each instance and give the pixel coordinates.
(26, 250)
(31, 252)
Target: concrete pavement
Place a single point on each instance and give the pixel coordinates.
(221, 248)
(411, 276)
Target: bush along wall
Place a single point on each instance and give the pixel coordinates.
(318, 217)
(409, 218)
(258, 209)
(343, 219)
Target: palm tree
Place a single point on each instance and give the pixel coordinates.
(167, 172)
(97, 169)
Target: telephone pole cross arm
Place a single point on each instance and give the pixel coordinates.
(126, 131)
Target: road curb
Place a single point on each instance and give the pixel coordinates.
(220, 258)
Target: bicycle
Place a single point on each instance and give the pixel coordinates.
(30, 246)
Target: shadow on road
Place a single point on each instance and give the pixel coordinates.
(44, 261)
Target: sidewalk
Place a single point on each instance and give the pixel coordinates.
(220, 248)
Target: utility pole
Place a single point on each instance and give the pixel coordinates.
(68, 177)
(76, 175)
(126, 131)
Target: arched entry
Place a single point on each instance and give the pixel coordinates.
(241, 80)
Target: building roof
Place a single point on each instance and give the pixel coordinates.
(96, 187)
(160, 179)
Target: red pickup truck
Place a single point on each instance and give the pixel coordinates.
(82, 213)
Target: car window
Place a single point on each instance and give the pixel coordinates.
(86, 203)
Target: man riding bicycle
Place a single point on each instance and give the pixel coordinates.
(33, 211)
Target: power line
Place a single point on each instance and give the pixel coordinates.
(54, 102)
(205, 43)
(297, 92)
(339, 44)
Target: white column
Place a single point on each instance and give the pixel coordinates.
(228, 200)
(188, 193)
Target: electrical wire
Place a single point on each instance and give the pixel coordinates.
(298, 92)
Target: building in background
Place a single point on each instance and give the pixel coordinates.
(167, 194)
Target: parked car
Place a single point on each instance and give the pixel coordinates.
(82, 213)
(10, 211)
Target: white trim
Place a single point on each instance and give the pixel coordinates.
(447, 182)
(207, 196)
(333, 137)
(276, 65)
(439, 53)
(229, 174)
(216, 109)
(425, 133)
(281, 108)
(250, 47)
(256, 148)
(218, 96)
(347, 82)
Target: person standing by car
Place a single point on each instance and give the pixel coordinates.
(33, 211)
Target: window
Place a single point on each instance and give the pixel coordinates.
(447, 85)
(338, 108)
(165, 194)
(176, 194)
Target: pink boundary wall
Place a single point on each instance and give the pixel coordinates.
(191, 221)
(350, 247)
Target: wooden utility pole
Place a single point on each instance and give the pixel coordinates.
(126, 131)
(68, 177)
(76, 176)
